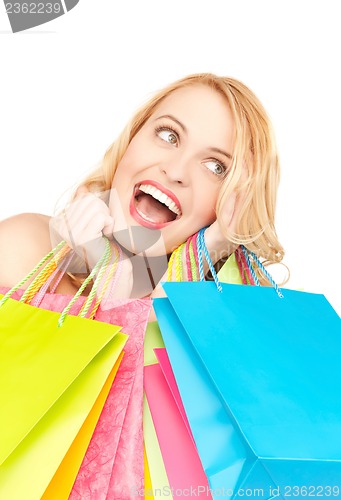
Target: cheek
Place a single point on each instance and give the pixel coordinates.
(136, 154)
(200, 217)
(123, 171)
(124, 176)
(204, 210)
(204, 218)
(128, 164)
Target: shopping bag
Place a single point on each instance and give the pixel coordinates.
(62, 481)
(181, 459)
(52, 369)
(259, 378)
(168, 374)
(160, 486)
(113, 464)
(89, 467)
(158, 475)
(50, 379)
(148, 488)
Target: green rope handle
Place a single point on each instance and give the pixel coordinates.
(106, 259)
(38, 266)
(193, 262)
(99, 265)
(99, 268)
(40, 276)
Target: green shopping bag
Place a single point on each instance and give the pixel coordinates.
(52, 368)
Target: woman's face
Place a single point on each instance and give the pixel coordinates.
(170, 175)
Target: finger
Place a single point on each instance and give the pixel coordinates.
(82, 222)
(84, 211)
(229, 209)
(95, 226)
(108, 228)
(81, 191)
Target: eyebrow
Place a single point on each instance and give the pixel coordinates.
(220, 151)
(181, 125)
(171, 117)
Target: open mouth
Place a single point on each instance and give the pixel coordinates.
(154, 206)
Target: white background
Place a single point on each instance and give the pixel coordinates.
(68, 87)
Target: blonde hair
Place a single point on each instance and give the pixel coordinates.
(254, 170)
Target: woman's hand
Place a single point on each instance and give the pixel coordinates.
(87, 218)
(82, 225)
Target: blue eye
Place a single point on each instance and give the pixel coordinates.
(167, 135)
(216, 167)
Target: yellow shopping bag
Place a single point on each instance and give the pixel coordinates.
(63, 480)
(52, 369)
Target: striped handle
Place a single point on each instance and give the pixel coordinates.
(247, 254)
(202, 249)
(50, 263)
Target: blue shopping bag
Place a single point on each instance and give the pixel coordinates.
(260, 380)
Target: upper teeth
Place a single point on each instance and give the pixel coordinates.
(160, 196)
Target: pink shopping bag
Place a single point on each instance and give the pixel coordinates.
(184, 470)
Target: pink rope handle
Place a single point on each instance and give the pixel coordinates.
(243, 267)
(240, 267)
(195, 248)
(188, 260)
(37, 300)
(62, 272)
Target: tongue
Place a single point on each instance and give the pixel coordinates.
(153, 210)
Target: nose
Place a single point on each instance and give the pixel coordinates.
(177, 170)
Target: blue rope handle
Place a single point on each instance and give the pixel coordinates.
(200, 260)
(246, 253)
(203, 248)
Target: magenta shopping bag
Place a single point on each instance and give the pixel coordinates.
(180, 456)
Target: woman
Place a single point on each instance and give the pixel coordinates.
(201, 153)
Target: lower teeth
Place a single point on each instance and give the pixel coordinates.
(143, 215)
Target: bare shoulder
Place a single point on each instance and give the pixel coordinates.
(24, 240)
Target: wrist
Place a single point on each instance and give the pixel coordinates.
(92, 251)
(217, 246)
